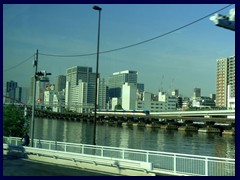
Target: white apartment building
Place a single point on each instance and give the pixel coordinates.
(114, 102)
(164, 103)
(48, 99)
(129, 96)
(79, 98)
(231, 99)
(58, 101)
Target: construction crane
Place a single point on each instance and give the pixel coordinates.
(225, 21)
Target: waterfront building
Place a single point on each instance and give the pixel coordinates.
(196, 93)
(129, 94)
(13, 92)
(165, 102)
(60, 83)
(179, 103)
(41, 85)
(87, 78)
(231, 99)
(170, 101)
(213, 97)
(203, 102)
(114, 103)
(117, 79)
(79, 98)
(102, 94)
(140, 87)
(48, 99)
(175, 92)
(59, 101)
(186, 103)
(225, 77)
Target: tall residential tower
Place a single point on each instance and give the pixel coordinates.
(225, 85)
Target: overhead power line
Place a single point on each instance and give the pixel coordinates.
(19, 64)
(142, 42)
(121, 48)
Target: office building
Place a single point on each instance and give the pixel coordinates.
(87, 78)
(196, 93)
(12, 93)
(60, 83)
(118, 79)
(102, 94)
(40, 88)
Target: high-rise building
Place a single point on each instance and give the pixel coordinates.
(30, 99)
(12, 92)
(196, 93)
(60, 83)
(79, 97)
(78, 72)
(225, 77)
(40, 88)
(102, 94)
(118, 79)
(87, 77)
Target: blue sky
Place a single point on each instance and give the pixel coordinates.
(183, 60)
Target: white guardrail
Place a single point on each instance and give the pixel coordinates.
(153, 161)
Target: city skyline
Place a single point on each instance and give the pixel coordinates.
(181, 60)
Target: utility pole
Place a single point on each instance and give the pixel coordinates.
(35, 64)
(96, 83)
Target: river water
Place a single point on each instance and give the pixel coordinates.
(156, 139)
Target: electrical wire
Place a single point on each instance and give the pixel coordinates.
(142, 42)
(18, 64)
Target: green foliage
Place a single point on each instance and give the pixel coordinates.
(118, 107)
(13, 121)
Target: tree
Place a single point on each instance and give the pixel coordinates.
(13, 121)
(118, 107)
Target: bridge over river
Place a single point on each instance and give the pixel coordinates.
(219, 116)
(202, 121)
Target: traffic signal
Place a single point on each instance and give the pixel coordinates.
(39, 73)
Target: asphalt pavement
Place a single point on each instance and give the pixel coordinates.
(14, 166)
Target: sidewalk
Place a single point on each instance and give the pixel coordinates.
(13, 166)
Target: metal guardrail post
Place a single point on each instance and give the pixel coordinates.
(65, 147)
(206, 166)
(82, 149)
(123, 154)
(174, 163)
(102, 151)
(147, 156)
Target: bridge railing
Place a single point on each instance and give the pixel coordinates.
(162, 162)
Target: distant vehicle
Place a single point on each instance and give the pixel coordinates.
(221, 124)
(198, 122)
(124, 112)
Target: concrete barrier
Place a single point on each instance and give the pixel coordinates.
(103, 164)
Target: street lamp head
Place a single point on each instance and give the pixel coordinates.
(97, 8)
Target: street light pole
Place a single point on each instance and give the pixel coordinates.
(96, 83)
(35, 64)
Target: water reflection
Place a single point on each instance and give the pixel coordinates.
(156, 139)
